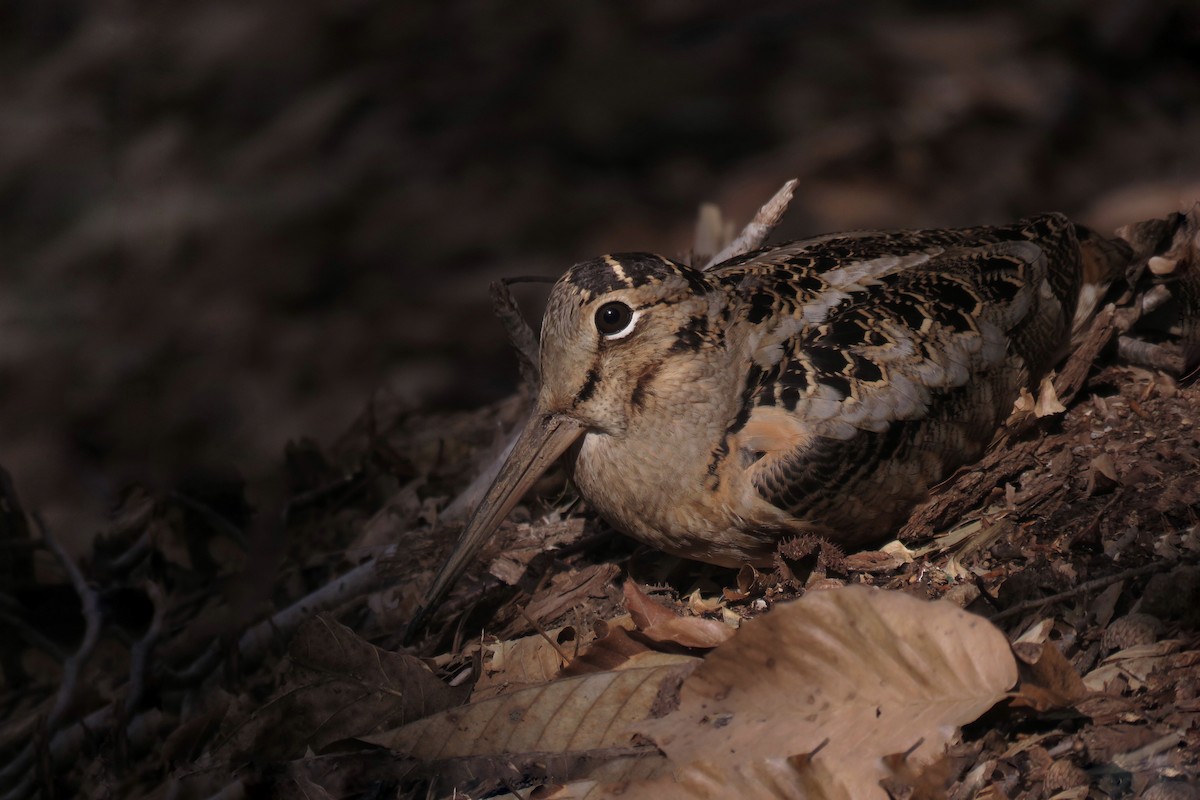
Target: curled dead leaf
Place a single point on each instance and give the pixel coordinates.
(1047, 403)
(660, 624)
(1102, 475)
(1047, 679)
(527, 661)
(696, 632)
(643, 608)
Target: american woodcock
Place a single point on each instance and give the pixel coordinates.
(821, 386)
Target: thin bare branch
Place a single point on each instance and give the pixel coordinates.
(1083, 588)
(93, 619)
(759, 228)
(520, 334)
(142, 648)
(1147, 354)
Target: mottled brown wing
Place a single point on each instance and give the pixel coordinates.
(907, 372)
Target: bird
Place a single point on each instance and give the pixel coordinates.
(815, 387)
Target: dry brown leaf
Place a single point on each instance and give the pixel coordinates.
(618, 650)
(797, 778)
(1047, 679)
(1024, 402)
(1103, 606)
(1047, 403)
(528, 661)
(643, 608)
(584, 713)
(867, 673)
(698, 604)
(874, 561)
(1133, 665)
(1102, 475)
(661, 624)
(695, 632)
(859, 673)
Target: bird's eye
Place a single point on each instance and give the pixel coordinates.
(614, 319)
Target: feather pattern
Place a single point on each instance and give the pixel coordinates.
(819, 386)
(891, 350)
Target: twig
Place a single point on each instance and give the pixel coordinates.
(537, 626)
(520, 334)
(1154, 298)
(141, 650)
(254, 643)
(315, 495)
(759, 228)
(93, 618)
(72, 666)
(132, 555)
(456, 510)
(252, 646)
(234, 791)
(19, 766)
(1083, 588)
(212, 516)
(1148, 354)
(713, 234)
(196, 671)
(31, 635)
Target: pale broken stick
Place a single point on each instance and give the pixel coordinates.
(758, 229)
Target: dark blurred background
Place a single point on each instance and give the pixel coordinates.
(224, 225)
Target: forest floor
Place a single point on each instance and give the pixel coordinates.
(228, 231)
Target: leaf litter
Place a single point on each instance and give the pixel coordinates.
(543, 673)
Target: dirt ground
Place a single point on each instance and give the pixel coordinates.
(248, 340)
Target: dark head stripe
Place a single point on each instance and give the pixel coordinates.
(628, 271)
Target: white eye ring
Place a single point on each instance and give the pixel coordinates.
(628, 329)
(616, 319)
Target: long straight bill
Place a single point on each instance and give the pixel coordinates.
(544, 439)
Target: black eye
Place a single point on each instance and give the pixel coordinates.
(613, 318)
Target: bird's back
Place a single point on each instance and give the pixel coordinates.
(881, 361)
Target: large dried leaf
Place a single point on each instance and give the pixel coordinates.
(859, 673)
(796, 778)
(584, 713)
(856, 675)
